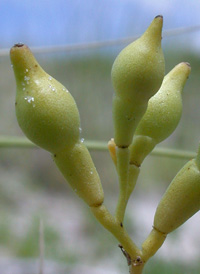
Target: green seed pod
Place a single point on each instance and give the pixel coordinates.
(78, 169)
(137, 74)
(48, 115)
(46, 111)
(181, 200)
(163, 114)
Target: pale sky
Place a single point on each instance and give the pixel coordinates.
(50, 22)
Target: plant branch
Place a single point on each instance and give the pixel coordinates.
(136, 269)
(123, 155)
(113, 225)
(23, 142)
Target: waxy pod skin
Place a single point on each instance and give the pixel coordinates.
(163, 114)
(181, 200)
(49, 117)
(137, 74)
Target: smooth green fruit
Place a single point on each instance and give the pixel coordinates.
(48, 115)
(181, 200)
(163, 114)
(46, 111)
(137, 74)
(78, 169)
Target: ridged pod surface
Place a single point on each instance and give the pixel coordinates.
(49, 117)
(137, 74)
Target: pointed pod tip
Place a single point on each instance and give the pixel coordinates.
(197, 159)
(159, 16)
(184, 66)
(155, 29)
(18, 45)
(21, 58)
(188, 64)
(159, 20)
(19, 48)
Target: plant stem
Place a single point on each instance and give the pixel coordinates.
(133, 173)
(123, 155)
(113, 225)
(23, 142)
(152, 243)
(136, 269)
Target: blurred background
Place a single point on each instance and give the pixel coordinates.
(76, 42)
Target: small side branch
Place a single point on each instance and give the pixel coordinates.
(114, 226)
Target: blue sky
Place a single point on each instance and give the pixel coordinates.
(57, 22)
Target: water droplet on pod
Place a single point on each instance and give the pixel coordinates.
(64, 89)
(29, 99)
(26, 78)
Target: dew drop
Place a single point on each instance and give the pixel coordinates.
(64, 89)
(80, 130)
(50, 78)
(91, 172)
(37, 82)
(24, 89)
(26, 70)
(29, 99)
(26, 78)
(82, 140)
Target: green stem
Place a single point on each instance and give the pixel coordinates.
(173, 153)
(133, 173)
(152, 243)
(123, 155)
(121, 207)
(15, 142)
(112, 224)
(23, 142)
(132, 179)
(136, 269)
